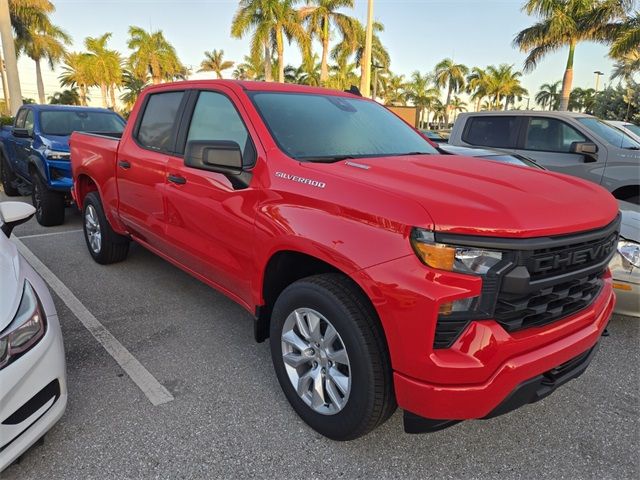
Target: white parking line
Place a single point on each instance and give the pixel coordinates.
(153, 389)
(50, 234)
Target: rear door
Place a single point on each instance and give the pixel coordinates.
(548, 141)
(142, 165)
(210, 223)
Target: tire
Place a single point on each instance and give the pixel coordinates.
(49, 204)
(105, 245)
(7, 177)
(352, 407)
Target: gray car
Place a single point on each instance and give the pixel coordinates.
(625, 265)
(573, 143)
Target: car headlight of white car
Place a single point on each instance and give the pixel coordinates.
(26, 329)
(630, 252)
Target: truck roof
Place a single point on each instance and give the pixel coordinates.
(252, 86)
(538, 113)
(46, 107)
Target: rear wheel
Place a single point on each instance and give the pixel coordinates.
(8, 178)
(49, 204)
(330, 357)
(105, 245)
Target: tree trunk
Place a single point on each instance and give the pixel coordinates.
(324, 67)
(83, 95)
(10, 58)
(5, 90)
(103, 90)
(218, 74)
(363, 81)
(478, 104)
(40, 84)
(567, 81)
(280, 47)
(446, 106)
(267, 63)
(113, 96)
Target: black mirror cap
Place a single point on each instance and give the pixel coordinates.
(584, 148)
(217, 156)
(22, 133)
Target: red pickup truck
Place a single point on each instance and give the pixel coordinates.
(383, 273)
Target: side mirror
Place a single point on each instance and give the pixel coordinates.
(13, 214)
(216, 156)
(584, 148)
(222, 156)
(22, 133)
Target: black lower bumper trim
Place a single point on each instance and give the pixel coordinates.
(530, 391)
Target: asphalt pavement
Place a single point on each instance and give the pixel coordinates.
(229, 418)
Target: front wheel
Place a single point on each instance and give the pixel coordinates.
(49, 204)
(330, 357)
(105, 245)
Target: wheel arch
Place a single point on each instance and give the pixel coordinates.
(626, 192)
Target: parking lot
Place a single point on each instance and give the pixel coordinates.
(228, 417)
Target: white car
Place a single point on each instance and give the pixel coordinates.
(625, 265)
(629, 128)
(33, 380)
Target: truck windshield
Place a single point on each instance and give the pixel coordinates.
(615, 137)
(311, 127)
(64, 122)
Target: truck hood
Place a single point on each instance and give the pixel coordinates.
(479, 197)
(10, 286)
(55, 142)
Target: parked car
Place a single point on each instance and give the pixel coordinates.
(627, 127)
(34, 153)
(489, 154)
(33, 385)
(625, 265)
(434, 136)
(567, 142)
(383, 272)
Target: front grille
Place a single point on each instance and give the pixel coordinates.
(539, 280)
(547, 305)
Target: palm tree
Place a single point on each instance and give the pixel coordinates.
(477, 85)
(132, 86)
(320, 17)
(394, 92)
(504, 82)
(343, 74)
(626, 66)
(565, 23)
(626, 37)
(214, 62)
(355, 46)
(66, 97)
(43, 42)
(549, 95)
(450, 75)
(422, 94)
(582, 99)
(153, 56)
(76, 72)
(457, 105)
(105, 67)
(271, 21)
(250, 69)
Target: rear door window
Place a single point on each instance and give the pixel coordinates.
(551, 135)
(159, 121)
(492, 131)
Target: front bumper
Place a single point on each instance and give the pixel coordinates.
(59, 175)
(486, 363)
(33, 393)
(626, 282)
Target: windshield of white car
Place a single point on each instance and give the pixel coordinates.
(612, 135)
(325, 128)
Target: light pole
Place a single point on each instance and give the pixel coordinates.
(598, 74)
(366, 74)
(10, 60)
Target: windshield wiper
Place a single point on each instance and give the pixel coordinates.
(632, 148)
(410, 153)
(326, 159)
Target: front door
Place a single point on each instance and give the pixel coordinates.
(210, 224)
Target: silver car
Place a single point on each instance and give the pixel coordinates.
(567, 142)
(625, 265)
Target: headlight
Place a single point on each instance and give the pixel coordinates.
(630, 252)
(25, 331)
(451, 258)
(57, 155)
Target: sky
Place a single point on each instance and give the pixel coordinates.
(418, 34)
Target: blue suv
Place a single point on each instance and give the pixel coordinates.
(34, 153)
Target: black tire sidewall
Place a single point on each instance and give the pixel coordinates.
(342, 425)
(52, 203)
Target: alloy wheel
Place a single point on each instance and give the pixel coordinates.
(92, 227)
